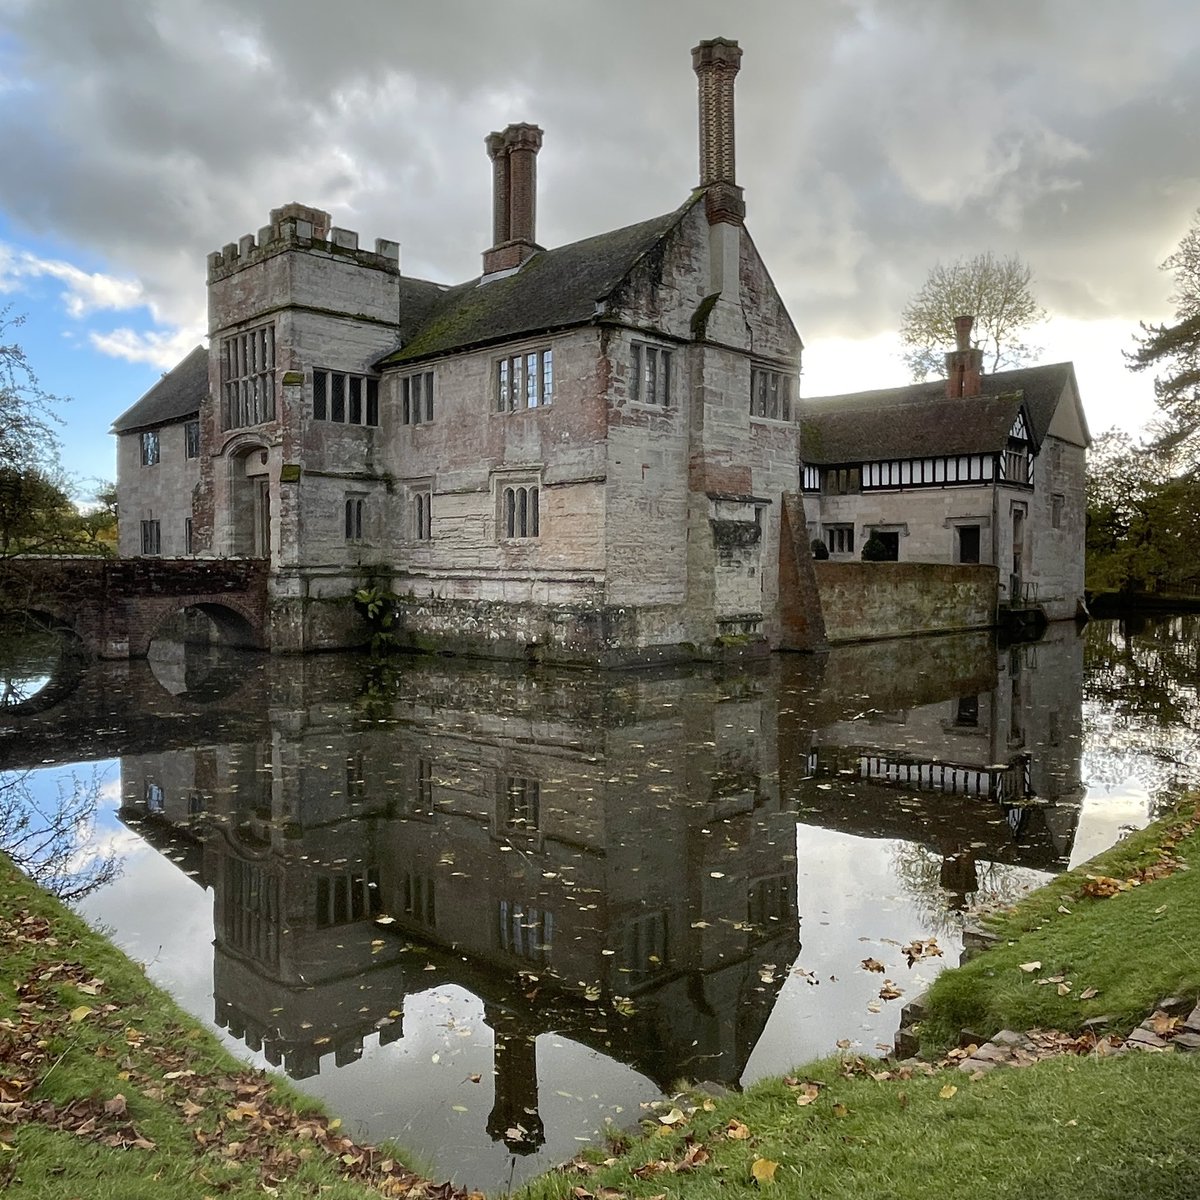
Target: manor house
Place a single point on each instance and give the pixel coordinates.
(586, 454)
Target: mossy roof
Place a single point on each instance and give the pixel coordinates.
(175, 397)
(555, 289)
(920, 419)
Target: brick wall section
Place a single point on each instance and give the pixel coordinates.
(115, 606)
(861, 601)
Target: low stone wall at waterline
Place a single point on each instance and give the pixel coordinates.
(865, 600)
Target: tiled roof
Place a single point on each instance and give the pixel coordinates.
(554, 289)
(909, 422)
(178, 394)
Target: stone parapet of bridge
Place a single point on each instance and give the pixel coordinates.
(115, 606)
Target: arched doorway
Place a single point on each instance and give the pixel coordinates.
(250, 502)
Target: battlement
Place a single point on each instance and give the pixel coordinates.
(300, 227)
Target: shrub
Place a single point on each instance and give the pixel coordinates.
(874, 549)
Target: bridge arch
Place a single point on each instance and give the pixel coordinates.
(42, 661)
(226, 623)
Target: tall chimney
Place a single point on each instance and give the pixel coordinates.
(716, 63)
(514, 196)
(964, 364)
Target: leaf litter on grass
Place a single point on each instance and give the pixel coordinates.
(233, 1116)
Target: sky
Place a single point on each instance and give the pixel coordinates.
(875, 138)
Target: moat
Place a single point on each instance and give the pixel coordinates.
(489, 911)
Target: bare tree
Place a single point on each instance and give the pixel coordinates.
(997, 292)
(28, 440)
(48, 839)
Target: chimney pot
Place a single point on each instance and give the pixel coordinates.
(962, 331)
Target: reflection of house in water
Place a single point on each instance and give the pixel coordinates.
(608, 860)
(944, 724)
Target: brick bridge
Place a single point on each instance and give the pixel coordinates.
(115, 606)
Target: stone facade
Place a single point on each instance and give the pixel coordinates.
(560, 459)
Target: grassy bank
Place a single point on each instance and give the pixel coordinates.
(108, 1090)
(1112, 939)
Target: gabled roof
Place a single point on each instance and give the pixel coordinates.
(177, 395)
(554, 289)
(920, 419)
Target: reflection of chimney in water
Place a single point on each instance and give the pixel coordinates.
(514, 1119)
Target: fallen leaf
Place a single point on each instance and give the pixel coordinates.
(808, 1093)
(116, 1106)
(1089, 993)
(673, 1117)
(763, 1170)
(840, 1110)
(890, 991)
(736, 1130)
(1064, 989)
(1031, 966)
(948, 1091)
(77, 1014)
(872, 964)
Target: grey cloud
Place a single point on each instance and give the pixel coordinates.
(874, 137)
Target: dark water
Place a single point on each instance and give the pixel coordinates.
(488, 911)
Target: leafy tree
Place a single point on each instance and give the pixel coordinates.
(27, 417)
(36, 515)
(1173, 352)
(97, 524)
(997, 292)
(1143, 524)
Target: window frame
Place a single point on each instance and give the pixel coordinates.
(416, 398)
(354, 519)
(772, 394)
(191, 438)
(151, 448)
(421, 514)
(347, 392)
(838, 537)
(513, 380)
(152, 538)
(651, 372)
(519, 510)
(247, 367)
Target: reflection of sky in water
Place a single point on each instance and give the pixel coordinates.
(857, 897)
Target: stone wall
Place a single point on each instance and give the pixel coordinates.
(161, 492)
(863, 600)
(115, 606)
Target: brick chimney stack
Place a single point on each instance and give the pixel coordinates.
(716, 63)
(964, 364)
(514, 196)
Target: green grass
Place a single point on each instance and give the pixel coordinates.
(81, 1028)
(1072, 1129)
(1092, 1127)
(1135, 948)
